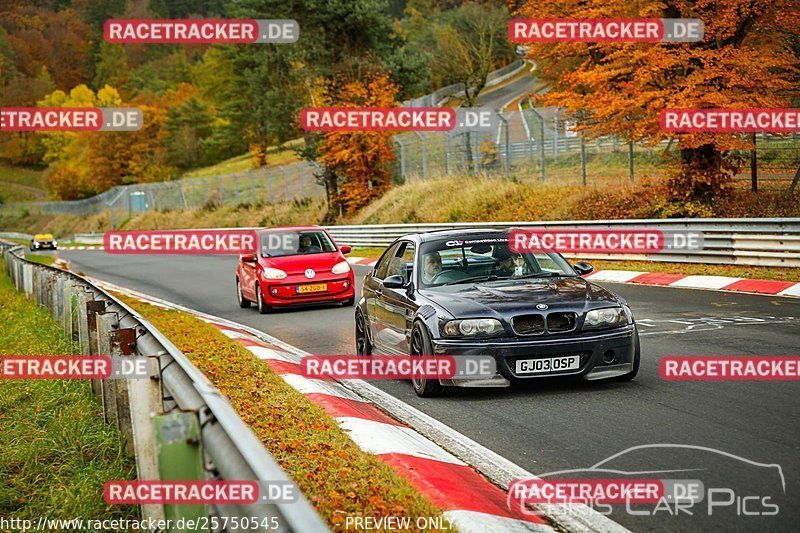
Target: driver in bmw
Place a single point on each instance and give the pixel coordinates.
(431, 266)
(507, 262)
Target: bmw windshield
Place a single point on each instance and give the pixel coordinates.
(450, 262)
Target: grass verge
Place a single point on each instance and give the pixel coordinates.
(335, 475)
(41, 259)
(55, 451)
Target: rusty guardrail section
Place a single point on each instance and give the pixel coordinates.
(174, 423)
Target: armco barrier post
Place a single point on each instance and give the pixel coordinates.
(123, 342)
(76, 315)
(144, 400)
(37, 289)
(28, 277)
(180, 457)
(83, 322)
(66, 298)
(106, 322)
(58, 296)
(93, 309)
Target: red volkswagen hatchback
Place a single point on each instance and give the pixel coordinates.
(294, 266)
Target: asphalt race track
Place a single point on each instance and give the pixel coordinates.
(554, 426)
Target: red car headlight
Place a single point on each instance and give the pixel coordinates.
(273, 273)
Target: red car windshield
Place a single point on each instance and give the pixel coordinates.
(288, 243)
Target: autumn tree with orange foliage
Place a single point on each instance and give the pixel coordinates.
(357, 162)
(748, 58)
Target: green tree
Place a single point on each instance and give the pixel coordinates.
(470, 45)
(112, 69)
(187, 126)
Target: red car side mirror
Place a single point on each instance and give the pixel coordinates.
(345, 249)
(249, 258)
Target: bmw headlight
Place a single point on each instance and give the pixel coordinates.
(608, 317)
(341, 268)
(473, 327)
(273, 273)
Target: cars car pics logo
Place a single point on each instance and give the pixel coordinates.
(542, 307)
(310, 273)
(637, 475)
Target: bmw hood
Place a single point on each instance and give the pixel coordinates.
(504, 298)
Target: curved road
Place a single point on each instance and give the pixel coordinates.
(554, 426)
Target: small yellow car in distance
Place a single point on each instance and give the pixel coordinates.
(43, 241)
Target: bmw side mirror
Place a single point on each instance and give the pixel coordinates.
(410, 290)
(394, 282)
(583, 268)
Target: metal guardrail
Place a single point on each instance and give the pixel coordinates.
(178, 393)
(739, 241)
(438, 97)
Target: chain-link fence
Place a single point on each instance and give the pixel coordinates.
(542, 143)
(264, 185)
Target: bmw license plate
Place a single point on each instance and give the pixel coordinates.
(548, 364)
(316, 287)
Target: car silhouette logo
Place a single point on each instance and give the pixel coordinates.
(310, 273)
(542, 307)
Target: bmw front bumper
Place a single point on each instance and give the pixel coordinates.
(603, 355)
